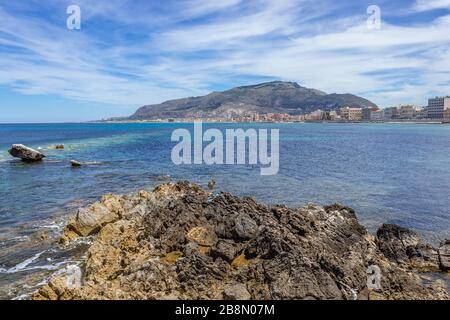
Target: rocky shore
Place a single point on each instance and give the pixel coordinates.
(180, 241)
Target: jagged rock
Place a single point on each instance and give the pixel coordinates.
(245, 227)
(25, 153)
(146, 249)
(444, 255)
(226, 249)
(58, 286)
(404, 246)
(202, 236)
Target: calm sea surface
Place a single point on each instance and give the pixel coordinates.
(396, 173)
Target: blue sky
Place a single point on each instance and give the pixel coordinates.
(131, 53)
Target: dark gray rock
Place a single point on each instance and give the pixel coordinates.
(25, 153)
(404, 246)
(236, 292)
(225, 249)
(245, 227)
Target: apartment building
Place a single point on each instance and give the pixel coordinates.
(390, 113)
(351, 114)
(437, 106)
(407, 112)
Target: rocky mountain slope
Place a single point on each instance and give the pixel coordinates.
(183, 242)
(272, 97)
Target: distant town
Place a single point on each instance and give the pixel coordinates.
(437, 111)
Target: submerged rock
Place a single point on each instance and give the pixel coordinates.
(25, 153)
(180, 242)
(56, 147)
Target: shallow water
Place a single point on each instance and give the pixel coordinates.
(397, 173)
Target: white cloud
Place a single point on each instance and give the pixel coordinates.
(199, 7)
(427, 5)
(289, 40)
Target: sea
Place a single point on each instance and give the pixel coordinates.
(389, 173)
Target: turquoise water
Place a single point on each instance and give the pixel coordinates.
(397, 173)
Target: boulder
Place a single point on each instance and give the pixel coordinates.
(444, 255)
(90, 220)
(245, 227)
(25, 153)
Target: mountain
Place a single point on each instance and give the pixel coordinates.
(271, 97)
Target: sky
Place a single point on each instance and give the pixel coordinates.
(132, 53)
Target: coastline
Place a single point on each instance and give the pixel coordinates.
(180, 241)
(112, 176)
(271, 122)
(229, 122)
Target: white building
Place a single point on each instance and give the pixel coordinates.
(437, 106)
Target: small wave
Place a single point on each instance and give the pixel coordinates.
(17, 238)
(93, 163)
(4, 156)
(14, 240)
(25, 265)
(53, 161)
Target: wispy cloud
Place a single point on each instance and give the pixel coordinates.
(130, 56)
(426, 5)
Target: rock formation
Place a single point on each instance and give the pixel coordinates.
(444, 255)
(180, 241)
(404, 246)
(25, 153)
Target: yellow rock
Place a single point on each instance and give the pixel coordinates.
(204, 249)
(239, 261)
(68, 236)
(144, 194)
(172, 257)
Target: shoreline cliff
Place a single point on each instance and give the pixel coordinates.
(180, 241)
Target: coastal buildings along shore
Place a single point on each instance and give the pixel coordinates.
(437, 110)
